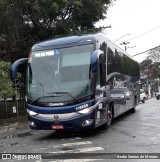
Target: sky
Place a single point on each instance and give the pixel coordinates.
(130, 19)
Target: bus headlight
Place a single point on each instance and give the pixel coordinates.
(85, 111)
(122, 96)
(31, 112)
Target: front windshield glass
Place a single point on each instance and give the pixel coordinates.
(60, 75)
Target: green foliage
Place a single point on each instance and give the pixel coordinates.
(150, 68)
(145, 63)
(154, 55)
(6, 89)
(25, 22)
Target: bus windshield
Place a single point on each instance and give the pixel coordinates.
(60, 75)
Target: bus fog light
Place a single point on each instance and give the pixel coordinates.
(32, 124)
(87, 122)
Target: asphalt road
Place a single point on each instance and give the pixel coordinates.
(130, 133)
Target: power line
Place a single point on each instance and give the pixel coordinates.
(129, 7)
(143, 33)
(145, 51)
(121, 37)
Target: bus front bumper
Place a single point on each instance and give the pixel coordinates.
(79, 122)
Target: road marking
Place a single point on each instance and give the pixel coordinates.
(73, 144)
(66, 145)
(83, 150)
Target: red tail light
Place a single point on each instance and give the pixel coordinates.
(30, 55)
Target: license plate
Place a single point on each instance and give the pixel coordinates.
(57, 126)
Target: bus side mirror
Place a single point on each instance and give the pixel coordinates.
(14, 70)
(95, 60)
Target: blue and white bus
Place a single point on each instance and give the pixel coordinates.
(78, 82)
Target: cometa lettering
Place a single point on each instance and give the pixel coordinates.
(55, 104)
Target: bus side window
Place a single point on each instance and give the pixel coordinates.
(98, 82)
(98, 78)
(102, 69)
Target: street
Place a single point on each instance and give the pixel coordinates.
(130, 133)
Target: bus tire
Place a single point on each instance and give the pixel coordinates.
(109, 117)
(144, 99)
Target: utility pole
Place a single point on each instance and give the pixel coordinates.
(158, 85)
(125, 43)
(149, 86)
(103, 27)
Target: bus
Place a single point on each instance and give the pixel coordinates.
(78, 82)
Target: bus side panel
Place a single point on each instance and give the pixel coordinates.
(122, 72)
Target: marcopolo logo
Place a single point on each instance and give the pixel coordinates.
(56, 117)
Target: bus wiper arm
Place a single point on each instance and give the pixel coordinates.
(64, 93)
(45, 97)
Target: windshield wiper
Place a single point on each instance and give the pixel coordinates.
(63, 93)
(45, 97)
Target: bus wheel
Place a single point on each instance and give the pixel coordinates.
(109, 117)
(143, 101)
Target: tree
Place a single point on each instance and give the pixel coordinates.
(6, 89)
(154, 55)
(25, 22)
(150, 69)
(145, 63)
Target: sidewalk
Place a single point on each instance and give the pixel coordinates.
(13, 127)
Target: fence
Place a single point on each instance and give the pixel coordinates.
(10, 108)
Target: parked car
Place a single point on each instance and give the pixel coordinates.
(158, 95)
(143, 96)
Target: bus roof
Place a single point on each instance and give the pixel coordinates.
(73, 40)
(58, 42)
